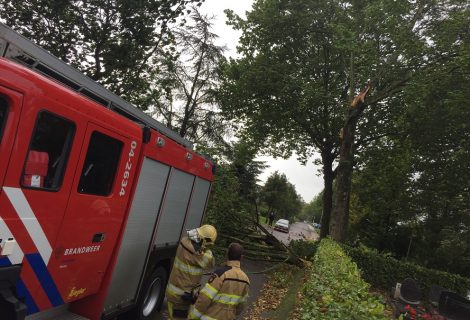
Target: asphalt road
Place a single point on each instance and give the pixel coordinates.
(299, 230)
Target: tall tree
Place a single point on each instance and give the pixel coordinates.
(414, 51)
(123, 44)
(417, 51)
(278, 87)
(234, 202)
(302, 63)
(422, 174)
(225, 208)
(188, 104)
(280, 196)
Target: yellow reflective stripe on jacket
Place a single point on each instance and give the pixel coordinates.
(195, 314)
(174, 290)
(207, 258)
(209, 291)
(225, 298)
(188, 268)
(229, 299)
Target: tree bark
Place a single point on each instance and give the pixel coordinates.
(256, 211)
(340, 213)
(328, 178)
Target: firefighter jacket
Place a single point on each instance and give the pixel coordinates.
(188, 268)
(224, 295)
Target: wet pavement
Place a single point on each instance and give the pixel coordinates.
(298, 230)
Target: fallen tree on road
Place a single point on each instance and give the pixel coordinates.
(261, 245)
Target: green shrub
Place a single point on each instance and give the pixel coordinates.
(335, 290)
(384, 272)
(263, 220)
(303, 249)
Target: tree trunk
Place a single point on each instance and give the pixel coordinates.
(256, 211)
(328, 177)
(340, 212)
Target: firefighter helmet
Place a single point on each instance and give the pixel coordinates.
(208, 234)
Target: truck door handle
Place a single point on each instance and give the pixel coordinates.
(98, 237)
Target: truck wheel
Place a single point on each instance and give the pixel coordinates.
(152, 294)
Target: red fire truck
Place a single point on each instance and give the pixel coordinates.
(94, 193)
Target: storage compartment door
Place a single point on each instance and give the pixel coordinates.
(174, 208)
(198, 203)
(138, 233)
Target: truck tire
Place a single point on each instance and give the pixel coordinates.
(153, 293)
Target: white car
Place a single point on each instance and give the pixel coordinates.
(282, 225)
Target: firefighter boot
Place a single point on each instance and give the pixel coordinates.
(177, 311)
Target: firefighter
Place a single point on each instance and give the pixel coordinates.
(193, 259)
(224, 295)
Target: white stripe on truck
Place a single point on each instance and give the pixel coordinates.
(31, 223)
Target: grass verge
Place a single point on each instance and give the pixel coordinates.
(278, 296)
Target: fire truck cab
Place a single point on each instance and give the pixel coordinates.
(94, 194)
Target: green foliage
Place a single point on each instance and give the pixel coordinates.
(440, 189)
(124, 44)
(247, 170)
(187, 104)
(220, 252)
(303, 249)
(312, 211)
(421, 172)
(226, 209)
(281, 197)
(375, 219)
(302, 61)
(233, 205)
(263, 220)
(335, 290)
(384, 272)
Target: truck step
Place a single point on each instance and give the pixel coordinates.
(70, 316)
(59, 313)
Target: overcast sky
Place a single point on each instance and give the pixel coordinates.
(305, 178)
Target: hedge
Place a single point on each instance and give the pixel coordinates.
(335, 290)
(384, 272)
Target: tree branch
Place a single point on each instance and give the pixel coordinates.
(394, 87)
(374, 138)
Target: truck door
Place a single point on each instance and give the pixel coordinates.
(10, 108)
(36, 187)
(95, 210)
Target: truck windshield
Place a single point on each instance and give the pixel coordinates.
(3, 115)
